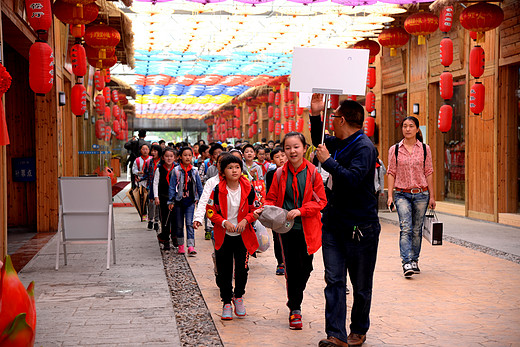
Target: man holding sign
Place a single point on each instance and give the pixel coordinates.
(350, 223)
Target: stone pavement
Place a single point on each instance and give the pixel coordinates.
(83, 303)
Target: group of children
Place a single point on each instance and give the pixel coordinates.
(225, 190)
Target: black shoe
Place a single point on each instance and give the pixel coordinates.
(156, 226)
(407, 270)
(166, 245)
(150, 225)
(415, 267)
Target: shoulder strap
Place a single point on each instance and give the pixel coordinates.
(396, 152)
(424, 150)
(313, 177)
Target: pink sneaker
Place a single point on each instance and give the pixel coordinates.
(191, 251)
(181, 249)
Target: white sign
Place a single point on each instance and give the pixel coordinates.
(329, 71)
(304, 100)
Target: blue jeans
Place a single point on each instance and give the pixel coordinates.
(341, 255)
(184, 215)
(411, 209)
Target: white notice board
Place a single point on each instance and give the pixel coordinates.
(329, 71)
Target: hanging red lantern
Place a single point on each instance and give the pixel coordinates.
(286, 112)
(372, 46)
(446, 51)
(251, 121)
(67, 13)
(270, 112)
(421, 24)
(116, 112)
(445, 117)
(39, 14)
(124, 117)
(108, 77)
(236, 111)
(369, 126)
(103, 64)
(270, 126)
(352, 97)
(473, 35)
(270, 97)
(477, 61)
(100, 104)
(477, 96)
(285, 95)
(370, 102)
(255, 116)
(249, 110)
(446, 19)
(481, 17)
(292, 110)
(41, 68)
(78, 11)
(107, 115)
(292, 125)
(106, 94)
(299, 125)
(446, 85)
(115, 96)
(277, 129)
(236, 123)
(108, 133)
(79, 60)
(255, 128)
(286, 128)
(371, 77)
(99, 81)
(100, 129)
(236, 133)
(334, 101)
(78, 99)
(299, 111)
(102, 37)
(277, 98)
(116, 126)
(277, 114)
(393, 38)
(291, 96)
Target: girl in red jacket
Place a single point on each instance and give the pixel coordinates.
(231, 208)
(298, 188)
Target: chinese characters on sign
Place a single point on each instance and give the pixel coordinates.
(24, 169)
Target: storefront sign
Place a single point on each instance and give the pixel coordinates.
(24, 169)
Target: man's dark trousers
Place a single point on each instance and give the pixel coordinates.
(342, 254)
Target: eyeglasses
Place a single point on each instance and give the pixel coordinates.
(335, 116)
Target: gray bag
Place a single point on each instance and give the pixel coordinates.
(432, 228)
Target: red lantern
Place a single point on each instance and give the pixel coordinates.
(106, 115)
(277, 98)
(255, 116)
(292, 125)
(106, 94)
(39, 14)
(116, 126)
(445, 117)
(249, 110)
(41, 68)
(102, 37)
(100, 129)
(299, 125)
(277, 114)
(446, 51)
(299, 111)
(270, 98)
(255, 128)
(421, 24)
(473, 35)
(481, 17)
(95, 53)
(108, 133)
(99, 81)
(371, 77)
(100, 104)
(352, 97)
(123, 116)
(251, 121)
(108, 77)
(277, 129)
(370, 102)
(79, 60)
(285, 95)
(291, 96)
(334, 101)
(68, 13)
(103, 64)
(79, 5)
(286, 128)
(393, 38)
(115, 96)
(236, 133)
(286, 112)
(270, 126)
(236, 111)
(116, 112)
(477, 96)
(270, 111)
(477, 61)
(78, 99)
(446, 85)
(446, 19)
(292, 110)
(369, 126)
(236, 123)
(372, 46)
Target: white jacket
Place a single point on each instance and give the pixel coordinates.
(206, 193)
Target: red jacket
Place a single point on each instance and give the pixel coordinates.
(314, 200)
(216, 210)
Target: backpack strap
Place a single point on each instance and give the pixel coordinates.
(397, 152)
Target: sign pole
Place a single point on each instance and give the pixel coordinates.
(326, 103)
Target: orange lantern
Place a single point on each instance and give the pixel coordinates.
(102, 37)
(446, 51)
(481, 17)
(369, 126)
(477, 96)
(106, 94)
(41, 68)
(445, 117)
(100, 104)
(277, 114)
(371, 77)
(446, 19)
(334, 101)
(299, 125)
(270, 111)
(100, 129)
(99, 81)
(277, 98)
(68, 13)
(79, 60)
(393, 38)
(270, 126)
(421, 24)
(78, 99)
(39, 14)
(446, 85)
(277, 129)
(372, 46)
(370, 102)
(270, 98)
(477, 61)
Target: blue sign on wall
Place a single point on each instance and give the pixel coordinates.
(24, 169)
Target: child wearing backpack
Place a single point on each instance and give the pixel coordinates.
(231, 208)
(185, 190)
(161, 188)
(298, 188)
(151, 167)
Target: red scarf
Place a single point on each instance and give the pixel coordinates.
(295, 172)
(168, 173)
(186, 172)
(144, 159)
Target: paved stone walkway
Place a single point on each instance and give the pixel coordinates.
(83, 303)
(461, 298)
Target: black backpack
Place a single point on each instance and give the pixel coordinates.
(397, 152)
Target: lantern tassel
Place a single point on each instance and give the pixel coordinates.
(4, 135)
(421, 40)
(393, 52)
